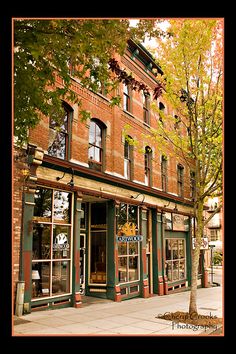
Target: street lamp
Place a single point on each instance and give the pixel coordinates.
(211, 247)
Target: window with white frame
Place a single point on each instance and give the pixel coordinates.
(128, 252)
(52, 243)
(175, 259)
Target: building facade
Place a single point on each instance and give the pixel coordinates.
(99, 210)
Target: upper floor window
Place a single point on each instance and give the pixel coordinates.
(164, 173)
(128, 158)
(162, 111)
(96, 144)
(148, 165)
(180, 180)
(146, 108)
(192, 184)
(59, 135)
(127, 98)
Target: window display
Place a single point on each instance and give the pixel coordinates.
(128, 252)
(51, 249)
(175, 259)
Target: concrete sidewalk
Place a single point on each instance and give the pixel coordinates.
(138, 316)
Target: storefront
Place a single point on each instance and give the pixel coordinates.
(79, 243)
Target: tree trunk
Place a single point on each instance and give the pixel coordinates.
(195, 259)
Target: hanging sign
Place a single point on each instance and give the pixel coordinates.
(204, 244)
(129, 238)
(128, 233)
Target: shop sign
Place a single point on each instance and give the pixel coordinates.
(204, 244)
(129, 238)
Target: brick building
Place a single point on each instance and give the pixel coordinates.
(104, 212)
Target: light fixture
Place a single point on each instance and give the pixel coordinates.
(71, 183)
(59, 178)
(138, 196)
(175, 208)
(35, 275)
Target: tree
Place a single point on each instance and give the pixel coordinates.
(45, 49)
(192, 64)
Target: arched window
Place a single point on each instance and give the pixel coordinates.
(128, 158)
(148, 165)
(59, 134)
(96, 144)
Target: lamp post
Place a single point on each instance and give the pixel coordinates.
(211, 247)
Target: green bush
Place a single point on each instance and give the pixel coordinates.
(217, 258)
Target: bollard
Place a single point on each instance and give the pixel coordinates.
(20, 298)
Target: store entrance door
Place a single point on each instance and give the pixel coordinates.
(82, 263)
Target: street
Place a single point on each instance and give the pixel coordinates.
(217, 275)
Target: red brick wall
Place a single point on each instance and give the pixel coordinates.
(17, 213)
(115, 120)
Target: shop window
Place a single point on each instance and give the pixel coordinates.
(52, 239)
(164, 177)
(128, 252)
(128, 158)
(96, 145)
(175, 259)
(98, 244)
(148, 165)
(59, 135)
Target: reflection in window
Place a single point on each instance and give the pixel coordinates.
(60, 277)
(175, 259)
(148, 165)
(41, 241)
(43, 204)
(95, 151)
(58, 136)
(146, 108)
(61, 211)
(126, 98)
(128, 156)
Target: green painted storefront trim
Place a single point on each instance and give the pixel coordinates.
(27, 242)
(154, 251)
(111, 271)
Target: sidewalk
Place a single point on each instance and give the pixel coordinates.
(138, 316)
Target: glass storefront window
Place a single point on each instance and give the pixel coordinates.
(61, 207)
(128, 252)
(60, 277)
(61, 241)
(51, 250)
(175, 259)
(41, 241)
(43, 204)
